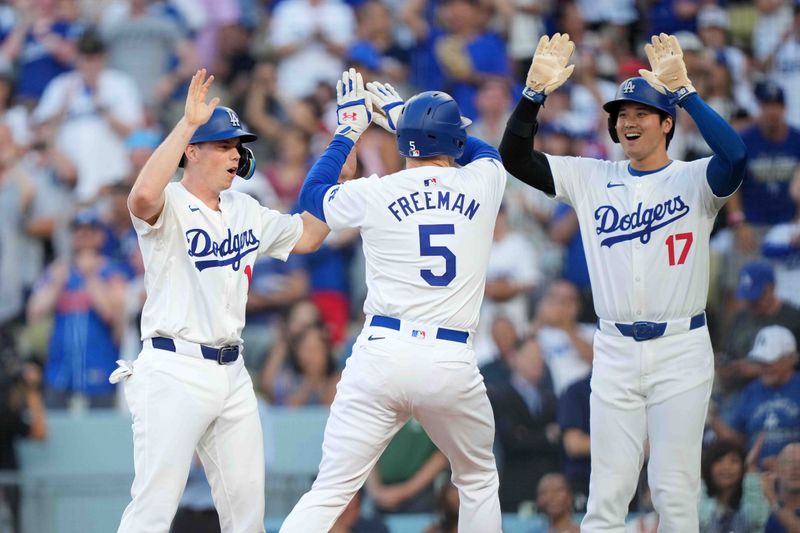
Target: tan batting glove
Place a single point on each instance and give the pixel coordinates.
(549, 69)
(668, 71)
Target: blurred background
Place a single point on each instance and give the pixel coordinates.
(88, 88)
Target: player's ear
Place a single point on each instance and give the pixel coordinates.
(666, 124)
(190, 154)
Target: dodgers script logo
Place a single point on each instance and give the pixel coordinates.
(228, 252)
(640, 224)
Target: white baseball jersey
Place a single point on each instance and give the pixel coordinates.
(415, 268)
(787, 267)
(199, 262)
(645, 236)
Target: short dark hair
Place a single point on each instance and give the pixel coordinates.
(91, 43)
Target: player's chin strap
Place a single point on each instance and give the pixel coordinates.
(247, 163)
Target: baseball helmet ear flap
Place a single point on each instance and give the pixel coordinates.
(247, 162)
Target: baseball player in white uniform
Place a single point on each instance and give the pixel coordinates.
(426, 232)
(645, 228)
(189, 388)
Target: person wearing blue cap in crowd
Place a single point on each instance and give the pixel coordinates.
(763, 200)
(85, 296)
(770, 405)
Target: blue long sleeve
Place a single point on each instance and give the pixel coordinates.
(727, 167)
(323, 175)
(477, 149)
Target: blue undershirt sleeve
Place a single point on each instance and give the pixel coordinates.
(324, 175)
(727, 166)
(476, 149)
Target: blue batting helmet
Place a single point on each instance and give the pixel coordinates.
(638, 90)
(225, 124)
(431, 124)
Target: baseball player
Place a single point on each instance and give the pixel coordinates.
(645, 229)
(189, 388)
(426, 232)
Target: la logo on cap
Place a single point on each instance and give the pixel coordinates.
(233, 118)
(629, 87)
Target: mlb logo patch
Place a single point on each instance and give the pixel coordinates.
(430, 182)
(418, 333)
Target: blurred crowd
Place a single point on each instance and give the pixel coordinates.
(88, 89)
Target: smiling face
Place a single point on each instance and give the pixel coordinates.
(215, 161)
(643, 135)
(727, 471)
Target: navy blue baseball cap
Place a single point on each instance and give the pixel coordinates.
(87, 217)
(769, 92)
(753, 279)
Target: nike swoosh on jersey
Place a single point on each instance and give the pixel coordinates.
(612, 185)
(193, 208)
(374, 338)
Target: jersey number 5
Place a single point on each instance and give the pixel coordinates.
(426, 250)
(671, 240)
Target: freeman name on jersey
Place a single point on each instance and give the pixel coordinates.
(420, 201)
(651, 218)
(230, 251)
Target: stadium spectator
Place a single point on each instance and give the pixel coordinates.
(310, 375)
(22, 415)
(762, 307)
(573, 419)
(165, 58)
(526, 430)
(782, 247)
(493, 105)
(770, 404)
(512, 274)
(468, 52)
(784, 494)
(403, 478)
(85, 298)
(566, 344)
(42, 44)
(94, 109)
(497, 372)
(783, 65)
(554, 500)
(310, 38)
(274, 287)
(564, 230)
(732, 499)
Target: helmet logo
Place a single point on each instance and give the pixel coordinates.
(412, 149)
(233, 118)
(629, 87)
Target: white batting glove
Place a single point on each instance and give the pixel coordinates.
(353, 105)
(385, 97)
(549, 69)
(668, 75)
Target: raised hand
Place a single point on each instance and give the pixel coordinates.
(389, 103)
(549, 69)
(667, 72)
(353, 105)
(198, 111)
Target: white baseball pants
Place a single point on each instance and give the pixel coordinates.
(386, 381)
(181, 403)
(657, 389)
